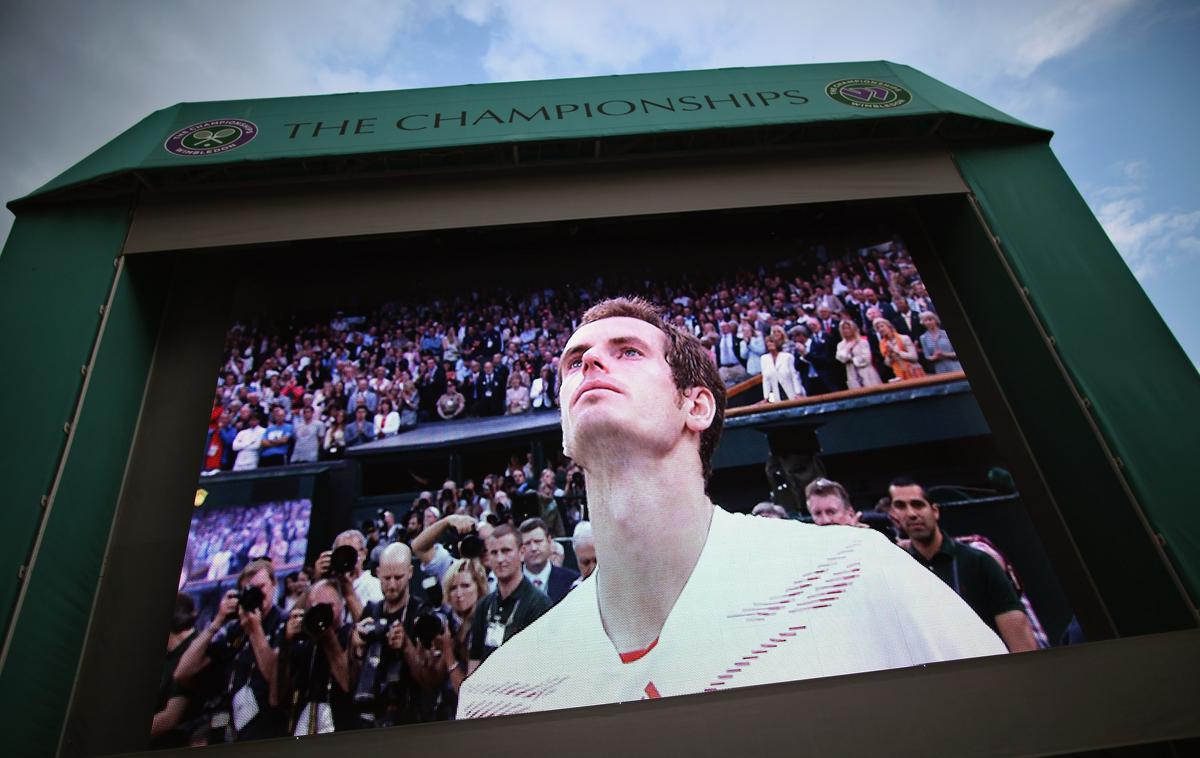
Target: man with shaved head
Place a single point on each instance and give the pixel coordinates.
(385, 641)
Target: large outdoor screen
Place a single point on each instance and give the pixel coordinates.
(763, 462)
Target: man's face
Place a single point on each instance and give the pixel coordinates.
(585, 554)
(265, 581)
(394, 577)
(535, 549)
(308, 414)
(912, 512)
(504, 556)
(431, 517)
(360, 414)
(829, 509)
(616, 384)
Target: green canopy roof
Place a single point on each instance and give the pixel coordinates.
(441, 118)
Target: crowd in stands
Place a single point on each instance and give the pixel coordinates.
(817, 322)
(221, 541)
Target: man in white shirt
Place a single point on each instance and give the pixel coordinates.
(689, 598)
(247, 444)
(358, 587)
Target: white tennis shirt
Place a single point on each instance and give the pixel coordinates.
(769, 601)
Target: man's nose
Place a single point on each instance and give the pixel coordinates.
(592, 360)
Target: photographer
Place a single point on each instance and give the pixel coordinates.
(428, 547)
(345, 567)
(242, 639)
(399, 676)
(314, 669)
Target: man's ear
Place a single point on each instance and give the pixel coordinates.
(701, 408)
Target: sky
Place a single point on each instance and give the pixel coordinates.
(78, 74)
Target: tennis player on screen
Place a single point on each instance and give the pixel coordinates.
(687, 597)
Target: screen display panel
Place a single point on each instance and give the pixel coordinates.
(544, 513)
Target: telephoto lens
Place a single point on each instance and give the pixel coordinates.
(343, 560)
(317, 620)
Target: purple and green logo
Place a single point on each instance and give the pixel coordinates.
(868, 93)
(210, 137)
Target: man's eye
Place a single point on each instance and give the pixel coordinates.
(631, 351)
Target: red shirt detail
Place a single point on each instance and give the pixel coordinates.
(634, 655)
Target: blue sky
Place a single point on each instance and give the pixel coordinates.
(1112, 78)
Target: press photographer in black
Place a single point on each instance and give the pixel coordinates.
(315, 673)
(243, 640)
(399, 679)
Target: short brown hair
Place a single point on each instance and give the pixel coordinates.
(506, 530)
(689, 361)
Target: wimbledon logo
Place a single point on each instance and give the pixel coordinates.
(868, 93)
(211, 137)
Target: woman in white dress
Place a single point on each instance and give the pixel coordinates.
(779, 373)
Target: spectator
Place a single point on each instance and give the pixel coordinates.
(387, 421)
(779, 373)
(361, 430)
(728, 350)
(517, 397)
(855, 351)
(295, 590)
(247, 444)
(752, 349)
(535, 552)
(829, 503)
(906, 321)
(277, 439)
(410, 403)
(308, 433)
(584, 545)
(935, 344)
(358, 587)
(451, 404)
(427, 547)
(542, 393)
(335, 436)
(490, 392)
(898, 351)
(218, 443)
(973, 575)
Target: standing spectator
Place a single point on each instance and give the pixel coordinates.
(431, 384)
(935, 344)
(517, 397)
(309, 433)
(541, 394)
(217, 445)
(898, 351)
(451, 404)
(556, 582)
(907, 321)
(779, 373)
(515, 603)
(490, 391)
(247, 443)
(855, 351)
(463, 586)
(277, 439)
(361, 429)
(335, 436)
(753, 348)
(729, 361)
(584, 544)
(387, 421)
(829, 503)
(409, 402)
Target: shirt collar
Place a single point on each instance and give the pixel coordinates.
(544, 575)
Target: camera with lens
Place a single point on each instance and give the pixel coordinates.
(428, 626)
(250, 599)
(317, 620)
(374, 630)
(343, 560)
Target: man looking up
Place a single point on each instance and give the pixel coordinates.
(668, 611)
(974, 575)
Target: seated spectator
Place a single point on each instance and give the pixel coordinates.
(855, 351)
(517, 397)
(451, 404)
(935, 344)
(898, 351)
(410, 403)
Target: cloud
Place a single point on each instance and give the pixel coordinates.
(1152, 243)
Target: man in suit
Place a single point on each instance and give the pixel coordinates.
(489, 391)
(729, 354)
(535, 553)
(906, 320)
